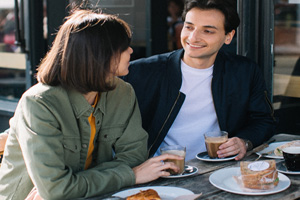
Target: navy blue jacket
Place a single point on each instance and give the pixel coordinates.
(238, 88)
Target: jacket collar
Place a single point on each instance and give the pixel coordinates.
(80, 105)
(174, 68)
(216, 87)
(218, 65)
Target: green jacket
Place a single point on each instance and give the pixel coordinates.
(48, 143)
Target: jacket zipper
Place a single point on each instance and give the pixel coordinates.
(270, 105)
(164, 123)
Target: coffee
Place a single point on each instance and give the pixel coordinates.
(212, 145)
(175, 150)
(179, 163)
(292, 158)
(213, 140)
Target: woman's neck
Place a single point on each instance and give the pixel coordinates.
(90, 97)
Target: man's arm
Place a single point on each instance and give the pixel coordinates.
(258, 121)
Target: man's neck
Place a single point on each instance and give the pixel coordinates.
(199, 63)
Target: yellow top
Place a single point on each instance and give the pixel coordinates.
(93, 133)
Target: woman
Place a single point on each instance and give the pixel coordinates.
(77, 133)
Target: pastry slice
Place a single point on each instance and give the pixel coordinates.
(149, 194)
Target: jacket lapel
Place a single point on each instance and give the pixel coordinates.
(217, 90)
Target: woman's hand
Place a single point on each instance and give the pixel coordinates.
(34, 195)
(154, 168)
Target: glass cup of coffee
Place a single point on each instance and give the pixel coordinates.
(213, 140)
(291, 157)
(175, 150)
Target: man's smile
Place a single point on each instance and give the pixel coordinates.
(195, 45)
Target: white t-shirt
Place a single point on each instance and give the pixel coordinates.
(197, 114)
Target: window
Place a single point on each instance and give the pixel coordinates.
(12, 60)
(287, 65)
(134, 12)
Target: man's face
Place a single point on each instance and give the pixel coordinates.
(202, 36)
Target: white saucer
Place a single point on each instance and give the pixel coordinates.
(185, 174)
(204, 157)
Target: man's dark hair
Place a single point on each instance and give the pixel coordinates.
(227, 7)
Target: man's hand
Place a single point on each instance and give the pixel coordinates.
(154, 168)
(232, 147)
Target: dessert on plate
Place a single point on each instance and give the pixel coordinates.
(278, 150)
(259, 174)
(149, 194)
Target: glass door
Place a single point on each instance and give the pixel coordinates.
(286, 78)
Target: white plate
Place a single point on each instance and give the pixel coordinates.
(165, 192)
(272, 147)
(195, 170)
(282, 168)
(224, 180)
(204, 156)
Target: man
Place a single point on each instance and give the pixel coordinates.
(188, 92)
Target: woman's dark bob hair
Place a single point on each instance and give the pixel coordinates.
(86, 52)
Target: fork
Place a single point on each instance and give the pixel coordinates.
(263, 154)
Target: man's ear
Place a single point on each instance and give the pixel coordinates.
(229, 37)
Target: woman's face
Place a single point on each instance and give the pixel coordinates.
(123, 65)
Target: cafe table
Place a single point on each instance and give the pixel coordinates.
(199, 182)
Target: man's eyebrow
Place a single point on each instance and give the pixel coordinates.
(190, 23)
(210, 26)
(206, 26)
